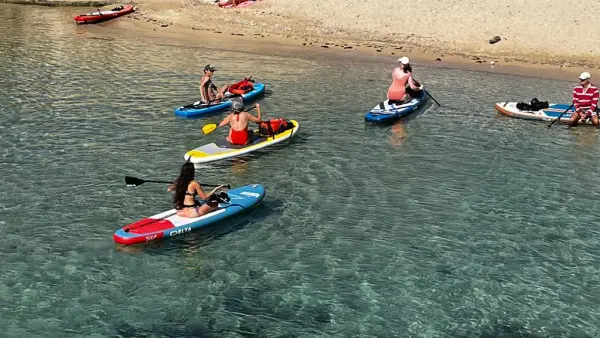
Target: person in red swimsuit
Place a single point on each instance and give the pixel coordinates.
(238, 121)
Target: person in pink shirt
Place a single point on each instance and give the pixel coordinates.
(585, 101)
(231, 3)
(399, 92)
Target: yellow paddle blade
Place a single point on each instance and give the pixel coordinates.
(209, 128)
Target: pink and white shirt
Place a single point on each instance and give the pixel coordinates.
(585, 99)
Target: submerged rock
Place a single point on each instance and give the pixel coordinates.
(495, 39)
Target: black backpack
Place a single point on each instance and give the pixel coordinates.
(535, 105)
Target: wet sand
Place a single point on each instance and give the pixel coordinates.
(143, 26)
(455, 36)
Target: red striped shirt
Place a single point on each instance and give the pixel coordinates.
(586, 100)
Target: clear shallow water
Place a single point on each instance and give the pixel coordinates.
(474, 225)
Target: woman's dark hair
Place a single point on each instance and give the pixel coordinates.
(182, 182)
(407, 68)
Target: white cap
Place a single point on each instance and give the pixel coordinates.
(403, 60)
(584, 76)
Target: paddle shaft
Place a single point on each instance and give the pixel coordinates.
(426, 92)
(140, 181)
(153, 181)
(559, 116)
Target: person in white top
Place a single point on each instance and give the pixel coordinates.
(585, 101)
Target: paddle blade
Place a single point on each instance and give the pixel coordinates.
(133, 181)
(209, 128)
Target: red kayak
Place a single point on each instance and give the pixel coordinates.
(100, 16)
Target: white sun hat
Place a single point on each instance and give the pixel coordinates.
(403, 60)
(585, 76)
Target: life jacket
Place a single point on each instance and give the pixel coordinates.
(274, 126)
(241, 87)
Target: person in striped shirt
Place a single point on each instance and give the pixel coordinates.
(585, 101)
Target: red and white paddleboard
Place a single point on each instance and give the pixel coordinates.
(169, 224)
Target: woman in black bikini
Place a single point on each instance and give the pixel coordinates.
(186, 189)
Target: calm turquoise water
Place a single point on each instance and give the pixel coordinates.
(474, 225)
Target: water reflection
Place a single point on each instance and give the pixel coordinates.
(239, 166)
(585, 136)
(399, 134)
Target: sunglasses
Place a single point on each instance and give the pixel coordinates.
(583, 79)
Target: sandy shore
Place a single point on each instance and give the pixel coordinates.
(565, 35)
(53, 3)
(545, 34)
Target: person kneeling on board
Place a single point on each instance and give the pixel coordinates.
(403, 86)
(585, 101)
(186, 188)
(238, 121)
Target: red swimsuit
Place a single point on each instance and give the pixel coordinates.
(239, 137)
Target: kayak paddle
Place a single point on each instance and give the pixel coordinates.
(210, 127)
(559, 116)
(134, 182)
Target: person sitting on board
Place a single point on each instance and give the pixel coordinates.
(403, 85)
(208, 88)
(585, 101)
(238, 121)
(186, 189)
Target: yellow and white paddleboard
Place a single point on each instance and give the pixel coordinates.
(223, 149)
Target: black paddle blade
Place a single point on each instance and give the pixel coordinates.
(133, 181)
(195, 106)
